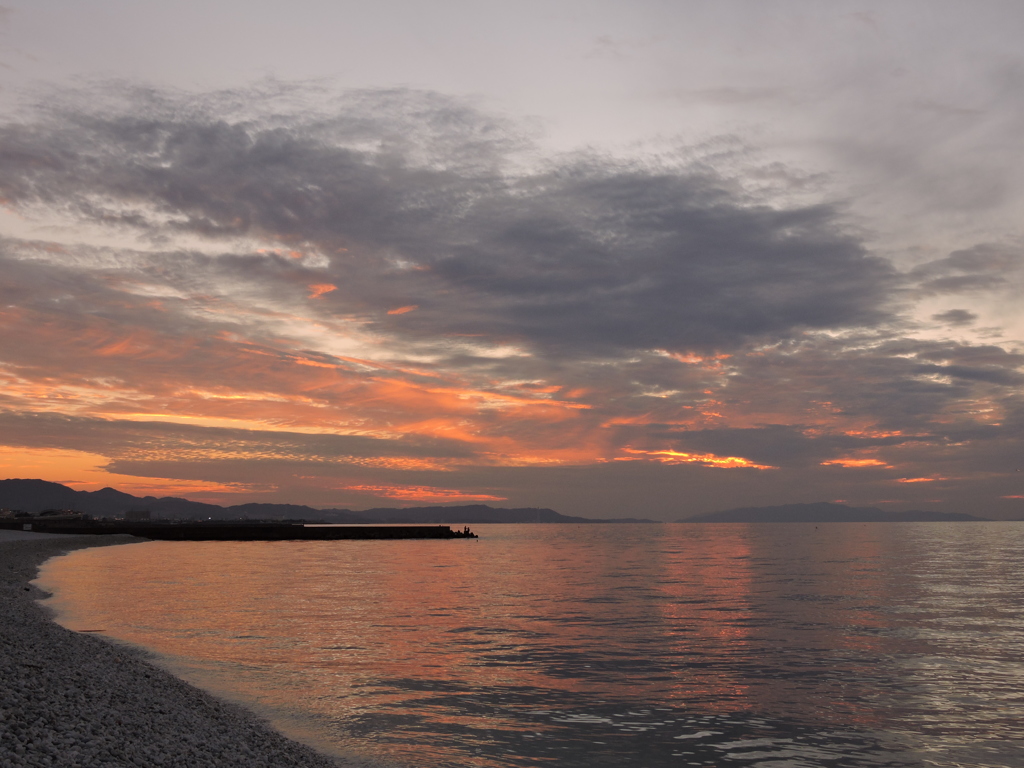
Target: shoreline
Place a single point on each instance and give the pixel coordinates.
(72, 699)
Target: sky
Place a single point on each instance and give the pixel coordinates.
(618, 259)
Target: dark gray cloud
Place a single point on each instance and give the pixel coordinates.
(820, 381)
(586, 255)
(956, 317)
(983, 267)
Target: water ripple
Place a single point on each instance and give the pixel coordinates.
(769, 646)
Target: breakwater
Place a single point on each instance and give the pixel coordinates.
(235, 531)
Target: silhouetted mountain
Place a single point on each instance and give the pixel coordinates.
(824, 512)
(37, 495)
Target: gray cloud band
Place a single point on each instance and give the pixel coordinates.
(587, 255)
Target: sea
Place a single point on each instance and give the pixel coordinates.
(761, 645)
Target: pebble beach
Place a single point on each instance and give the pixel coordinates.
(73, 699)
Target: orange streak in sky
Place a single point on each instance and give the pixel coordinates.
(316, 290)
(387, 367)
(420, 493)
(855, 463)
(709, 459)
(314, 363)
(692, 358)
(871, 433)
(463, 400)
(403, 310)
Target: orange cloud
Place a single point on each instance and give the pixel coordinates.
(855, 463)
(707, 459)
(302, 381)
(873, 433)
(420, 493)
(316, 290)
(692, 358)
(226, 380)
(400, 462)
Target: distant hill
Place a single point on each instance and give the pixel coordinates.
(825, 512)
(38, 495)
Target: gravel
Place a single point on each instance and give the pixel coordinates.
(69, 699)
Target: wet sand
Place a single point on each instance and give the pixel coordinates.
(71, 699)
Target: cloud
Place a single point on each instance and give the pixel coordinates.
(956, 317)
(984, 267)
(786, 444)
(484, 318)
(586, 255)
(157, 440)
(421, 493)
(319, 289)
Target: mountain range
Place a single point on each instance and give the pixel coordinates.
(39, 495)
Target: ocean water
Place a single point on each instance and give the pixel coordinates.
(785, 645)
